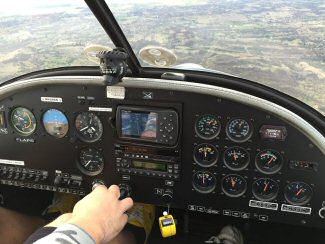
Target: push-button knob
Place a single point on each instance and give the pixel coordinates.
(97, 183)
(125, 190)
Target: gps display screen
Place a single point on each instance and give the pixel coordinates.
(139, 124)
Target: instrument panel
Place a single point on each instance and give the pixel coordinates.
(217, 156)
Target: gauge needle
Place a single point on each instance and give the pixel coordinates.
(205, 152)
(30, 120)
(235, 156)
(270, 161)
(299, 192)
(84, 128)
(19, 118)
(93, 128)
(233, 183)
(266, 186)
(88, 163)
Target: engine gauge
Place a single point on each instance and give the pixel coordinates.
(23, 121)
(89, 127)
(55, 123)
(207, 127)
(269, 161)
(298, 193)
(265, 189)
(239, 130)
(91, 161)
(206, 155)
(204, 182)
(236, 158)
(234, 185)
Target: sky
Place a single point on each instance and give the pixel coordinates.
(31, 7)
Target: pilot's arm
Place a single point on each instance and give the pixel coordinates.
(97, 218)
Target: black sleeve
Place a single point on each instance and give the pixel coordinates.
(39, 233)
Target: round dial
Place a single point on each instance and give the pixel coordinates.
(269, 161)
(236, 158)
(89, 127)
(207, 127)
(55, 123)
(234, 185)
(239, 130)
(298, 193)
(23, 120)
(206, 155)
(204, 182)
(91, 161)
(265, 189)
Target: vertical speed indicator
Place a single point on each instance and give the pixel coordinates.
(207, 127)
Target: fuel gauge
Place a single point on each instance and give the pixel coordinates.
(234, 185)
(236, 158)
(298, 193)
(205, 155)
(204, 182)
(269, 161)
(265, 189)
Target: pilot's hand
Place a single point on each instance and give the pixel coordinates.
(101, 213)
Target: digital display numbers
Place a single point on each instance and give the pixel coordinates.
(273, 132)
(148, 165)
(136, 124)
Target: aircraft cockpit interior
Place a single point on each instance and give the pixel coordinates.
(210, 111)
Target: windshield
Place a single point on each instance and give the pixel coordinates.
(277, 43)
(36, 35)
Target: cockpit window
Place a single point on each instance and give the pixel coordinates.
(36, 35)
(277, 43)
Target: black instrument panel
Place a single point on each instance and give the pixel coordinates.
(223, 158)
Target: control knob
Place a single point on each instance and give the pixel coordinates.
(97, 183)
(125, 190)
(57, 179)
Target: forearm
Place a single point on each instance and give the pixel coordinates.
(67, 233)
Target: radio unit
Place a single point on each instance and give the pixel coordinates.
(150, 162)
(154, 125)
